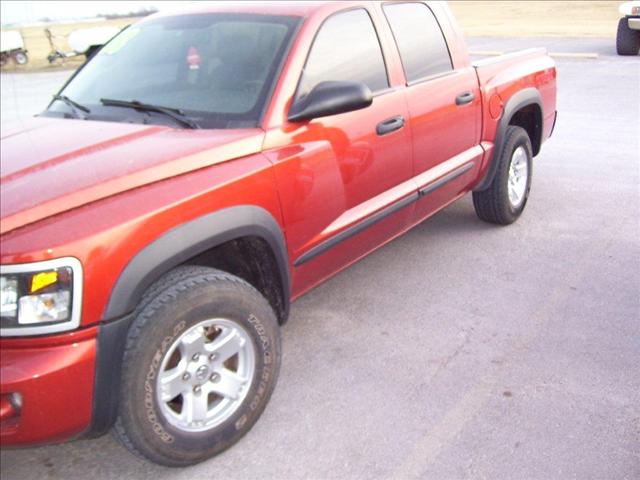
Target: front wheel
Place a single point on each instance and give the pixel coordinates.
(201, 360)
(505, 199)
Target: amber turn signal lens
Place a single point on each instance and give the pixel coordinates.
(42, 280)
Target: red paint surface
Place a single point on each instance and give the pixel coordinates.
(56, 384)
(101, 192)
(54, 165)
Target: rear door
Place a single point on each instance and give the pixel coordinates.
(444, 106)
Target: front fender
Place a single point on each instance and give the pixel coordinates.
(190, 239)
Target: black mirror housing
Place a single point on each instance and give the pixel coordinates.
(331, 98)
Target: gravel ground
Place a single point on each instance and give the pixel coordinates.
(460, 350)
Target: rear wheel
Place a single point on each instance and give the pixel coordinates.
(505, 199)
(627, 40)
(201, 360)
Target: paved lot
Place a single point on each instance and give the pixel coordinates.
(460, 350)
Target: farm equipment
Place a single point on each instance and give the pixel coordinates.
(83, 41)
(12, 47)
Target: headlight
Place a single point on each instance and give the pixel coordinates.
(40, 298)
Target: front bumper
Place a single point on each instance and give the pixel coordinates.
(54, 378)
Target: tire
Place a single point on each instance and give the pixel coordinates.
(189, 306)
(496, 204)
(20, 58)
(627, 40)
(91, 51)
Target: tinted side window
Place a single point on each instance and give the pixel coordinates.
(422, 46)
(345, 49)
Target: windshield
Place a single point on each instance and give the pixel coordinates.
(216, 69)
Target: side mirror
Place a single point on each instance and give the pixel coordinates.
(331, 98)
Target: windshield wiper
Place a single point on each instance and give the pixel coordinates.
(75, 106)
(176, 114)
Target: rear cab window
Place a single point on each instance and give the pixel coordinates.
(346, 48)
(421, 43)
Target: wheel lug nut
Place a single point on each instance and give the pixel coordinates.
(186, 376)
(215, 377)
(197, 389)
(212, 357)
(195, 357)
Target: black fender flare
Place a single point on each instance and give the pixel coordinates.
(190, 239)
(166, 252)
(520, 100)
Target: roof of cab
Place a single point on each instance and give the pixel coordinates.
(293, 8)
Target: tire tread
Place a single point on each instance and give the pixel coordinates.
(163, 292)
(627, 40)
(491, 204)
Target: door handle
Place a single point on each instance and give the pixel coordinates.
(390, 125)
(465, 98)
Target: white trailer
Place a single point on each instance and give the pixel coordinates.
(83, 41)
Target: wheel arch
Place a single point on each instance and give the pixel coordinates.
(189, 240)
(523, 109)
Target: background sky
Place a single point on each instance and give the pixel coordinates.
(12, 12)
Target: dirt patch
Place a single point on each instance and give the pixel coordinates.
(537, 18)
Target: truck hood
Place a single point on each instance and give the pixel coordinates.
(49, 165)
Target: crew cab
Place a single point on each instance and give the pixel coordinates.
(206, 168)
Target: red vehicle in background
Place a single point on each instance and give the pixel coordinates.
(160, 216)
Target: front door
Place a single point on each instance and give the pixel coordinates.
(341, 178)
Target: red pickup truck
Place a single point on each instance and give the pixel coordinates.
(206, 168)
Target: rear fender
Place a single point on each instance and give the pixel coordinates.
(522, 99)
